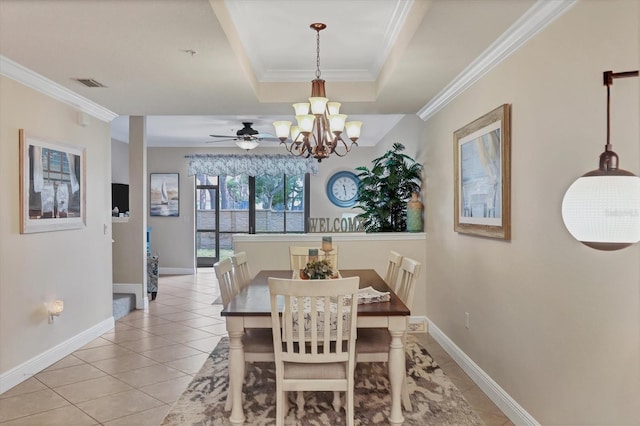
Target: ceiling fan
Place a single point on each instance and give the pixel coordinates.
(246, 138)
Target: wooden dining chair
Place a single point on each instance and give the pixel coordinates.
(373, 343)
(299, 256)
(393, 265)
(314, 338)
(241, 269)
(257, 342)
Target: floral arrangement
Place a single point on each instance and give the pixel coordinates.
(317, 270)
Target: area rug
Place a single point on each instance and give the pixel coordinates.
(436, 401)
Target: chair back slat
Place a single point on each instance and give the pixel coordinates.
(406, 280)
(241, 269)
(391, 276)
(226, 280)
(318, 322)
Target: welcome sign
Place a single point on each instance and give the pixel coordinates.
(335, 225)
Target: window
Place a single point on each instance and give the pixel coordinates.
(262, 204)
(279, 204)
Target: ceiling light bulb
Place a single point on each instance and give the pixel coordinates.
(305, 122)
(318, 105)
(295, 132)
(282, 129)
(301, 108)
(336, 122)
(333, 107)
(353, 130)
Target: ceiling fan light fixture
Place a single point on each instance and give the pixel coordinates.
(247, 145)
(320, 125)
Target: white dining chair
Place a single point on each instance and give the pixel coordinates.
(241, 269)
(314, 338)
(299, 256)
(226, 280)
(373, 343)
(393, 265)
(257, 342)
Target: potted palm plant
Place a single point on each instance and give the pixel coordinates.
(385, 189)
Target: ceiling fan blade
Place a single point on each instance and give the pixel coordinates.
(264, 135)
(221, 140)
(270, 139)
(224, 136)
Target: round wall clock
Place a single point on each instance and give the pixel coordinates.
(342, 189)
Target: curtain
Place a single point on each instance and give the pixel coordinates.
(71, 159)
(38, 173)
(250, 165)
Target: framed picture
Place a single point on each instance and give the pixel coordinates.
(52, 185)
(482, 180)
(165, 194)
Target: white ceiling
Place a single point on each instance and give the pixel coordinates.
(381, 58)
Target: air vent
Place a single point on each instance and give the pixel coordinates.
(89, 82)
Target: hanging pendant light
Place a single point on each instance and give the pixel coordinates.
(320, 124)
(602, 208)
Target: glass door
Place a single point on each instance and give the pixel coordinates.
(207, 221)
(235, 210)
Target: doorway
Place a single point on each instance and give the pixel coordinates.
(207, 221)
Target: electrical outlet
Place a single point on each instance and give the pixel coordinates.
(466, 320)
(417, 325)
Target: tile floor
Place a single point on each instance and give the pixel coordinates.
(133, 374)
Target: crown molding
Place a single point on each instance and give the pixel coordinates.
(31, 79)
(541, 14)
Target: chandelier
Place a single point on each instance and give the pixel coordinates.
(320, 124)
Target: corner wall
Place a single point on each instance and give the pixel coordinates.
(72, 265)
(553, 322)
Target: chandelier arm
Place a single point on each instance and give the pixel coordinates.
(346, 147)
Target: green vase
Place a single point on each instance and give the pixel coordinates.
(414, 214)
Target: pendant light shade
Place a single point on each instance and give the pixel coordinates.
(603, 212)
(602, 208)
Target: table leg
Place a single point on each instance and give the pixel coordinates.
(396, 367)
(235, 328)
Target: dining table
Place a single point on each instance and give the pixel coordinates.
(251, 308)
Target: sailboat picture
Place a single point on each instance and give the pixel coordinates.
(164, 194)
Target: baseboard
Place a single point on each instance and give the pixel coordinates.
(176, 271)
(38, 363)
(508, 405)
(132, 289)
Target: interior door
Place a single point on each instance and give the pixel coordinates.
(207, 221)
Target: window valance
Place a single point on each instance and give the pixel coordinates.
(251, 165)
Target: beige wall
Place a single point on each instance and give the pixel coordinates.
(73, 265)
(554, 323)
